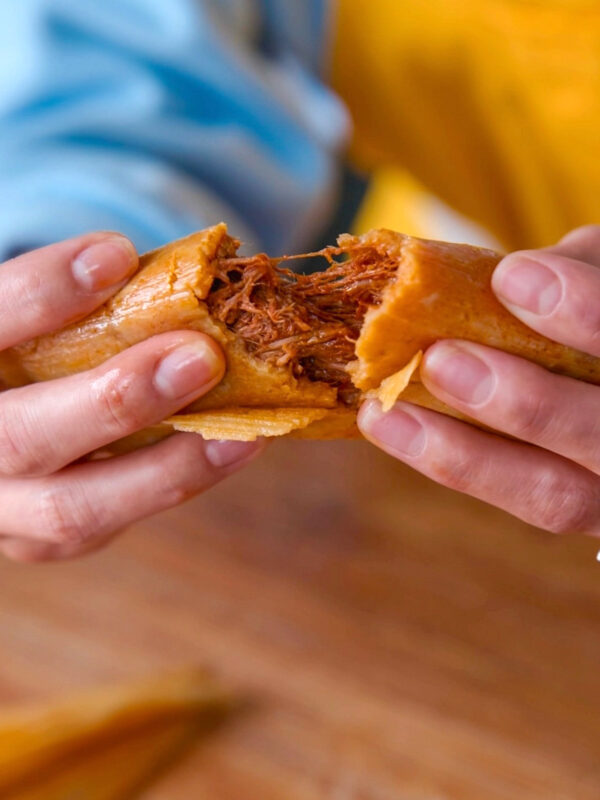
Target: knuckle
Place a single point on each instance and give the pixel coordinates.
(587, 314)
(40, 310)
(564, 506)
(38, 305)
(180, 475)
(529, 416)
(176, 487)
(117, 402)
(458, 474)
(65, 515)
(175, 495)
(17, 457)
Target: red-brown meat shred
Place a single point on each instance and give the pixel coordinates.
(310, 322)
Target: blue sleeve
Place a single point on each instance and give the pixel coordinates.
(157, 118)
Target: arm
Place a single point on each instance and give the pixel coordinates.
(159, 118)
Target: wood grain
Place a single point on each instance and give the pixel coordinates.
(392, 639)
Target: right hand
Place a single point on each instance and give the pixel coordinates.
(51, 507)
(546, 469)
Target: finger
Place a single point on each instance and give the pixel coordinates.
(46, 289)
(516, 397)
(87, 503)
(45, 426)
(538, 487)
(582, 244)
(28, 551)
(556, 295)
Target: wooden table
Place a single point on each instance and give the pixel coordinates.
(395, 640)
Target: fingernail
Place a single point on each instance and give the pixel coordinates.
(222, 453)
(460, 374)
(105, 264)
(397, 430)
(528, 284)
(187, 369)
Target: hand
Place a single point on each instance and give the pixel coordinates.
(551, 477)
(50, 507)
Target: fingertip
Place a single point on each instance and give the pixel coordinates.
(584, 234)
(505, 264)
(398, 431)
(438, 350)
(217, 353)
(104, 264)
(529, 282)
(230, 455)
(368, 414)
(462, 371)
(191, 368)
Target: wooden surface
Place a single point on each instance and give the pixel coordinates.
(393, 640)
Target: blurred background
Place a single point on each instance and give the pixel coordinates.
(390, 639)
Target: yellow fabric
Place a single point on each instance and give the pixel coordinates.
(396, 200)
(492, 105)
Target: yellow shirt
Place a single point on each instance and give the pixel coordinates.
(491, 105)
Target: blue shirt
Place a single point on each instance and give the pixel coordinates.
(159, 117)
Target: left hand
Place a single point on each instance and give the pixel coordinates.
(54, 502)
(551, 477)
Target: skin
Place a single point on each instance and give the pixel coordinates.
(54, 504)
(550, 477)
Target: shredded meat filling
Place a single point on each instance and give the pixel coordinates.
(310, 322)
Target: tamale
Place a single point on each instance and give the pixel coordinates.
(302, 351)
(60, 744)
(119, 770)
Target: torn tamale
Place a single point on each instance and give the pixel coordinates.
(302, 351)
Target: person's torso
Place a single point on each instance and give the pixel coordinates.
(493, 105)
